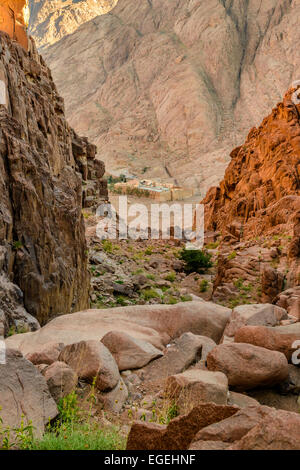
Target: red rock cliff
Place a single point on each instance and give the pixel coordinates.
(14, 17)
(260, 192)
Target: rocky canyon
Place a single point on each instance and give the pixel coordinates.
(113, 343)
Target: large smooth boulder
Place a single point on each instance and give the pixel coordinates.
(185, 351)
(24, 391)
(248, 366)
(45, 354)
(279, 430)
(195, 386)
(129, 352)
(61, 380)
(156, 324)
(256, 314)
(92, 362)
(269, 338)
(179, 434)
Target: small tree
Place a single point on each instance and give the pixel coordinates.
(196, 261)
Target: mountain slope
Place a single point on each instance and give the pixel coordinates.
(168, 87)
(51, 20)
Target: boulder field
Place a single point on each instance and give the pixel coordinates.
(167, 354)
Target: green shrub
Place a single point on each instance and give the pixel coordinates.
(232, 255)
(196, 261)
(80, 437)
(203, 285)
(107, 246)
(149, 294)
(171, 277)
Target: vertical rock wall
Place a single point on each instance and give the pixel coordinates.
(43, 251)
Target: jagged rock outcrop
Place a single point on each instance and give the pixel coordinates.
(42, 165)
(50, 21)
(173, 85)
(260, 193)
(256, 209)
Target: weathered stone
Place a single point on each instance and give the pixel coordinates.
(13, 315)
(197, 386)
(248, 366)
(129, 353)
(268, 338)
(23, 391)
(46, 354)
(209, 445)
(261, 314)
(179, 356)
(14, 20)
(179, 434)
(235, 427)
(61, 380)
(279, 430)
(241, 400)
(93, 362)
(115, 398)
(292, 384)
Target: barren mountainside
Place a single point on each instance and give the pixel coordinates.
(168, 87)
(51, 20)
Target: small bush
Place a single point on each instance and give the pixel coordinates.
(149, 294)
(196, 261)
(232, 255)
(171, 277)
(203, 285)
(107, 246)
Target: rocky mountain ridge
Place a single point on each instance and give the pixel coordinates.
(52, 20)
(173, 86)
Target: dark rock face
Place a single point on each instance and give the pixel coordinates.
(42, 164)
(24, 391)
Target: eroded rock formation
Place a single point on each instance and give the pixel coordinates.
(256, 208)
(261, 189)
(42, 165)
